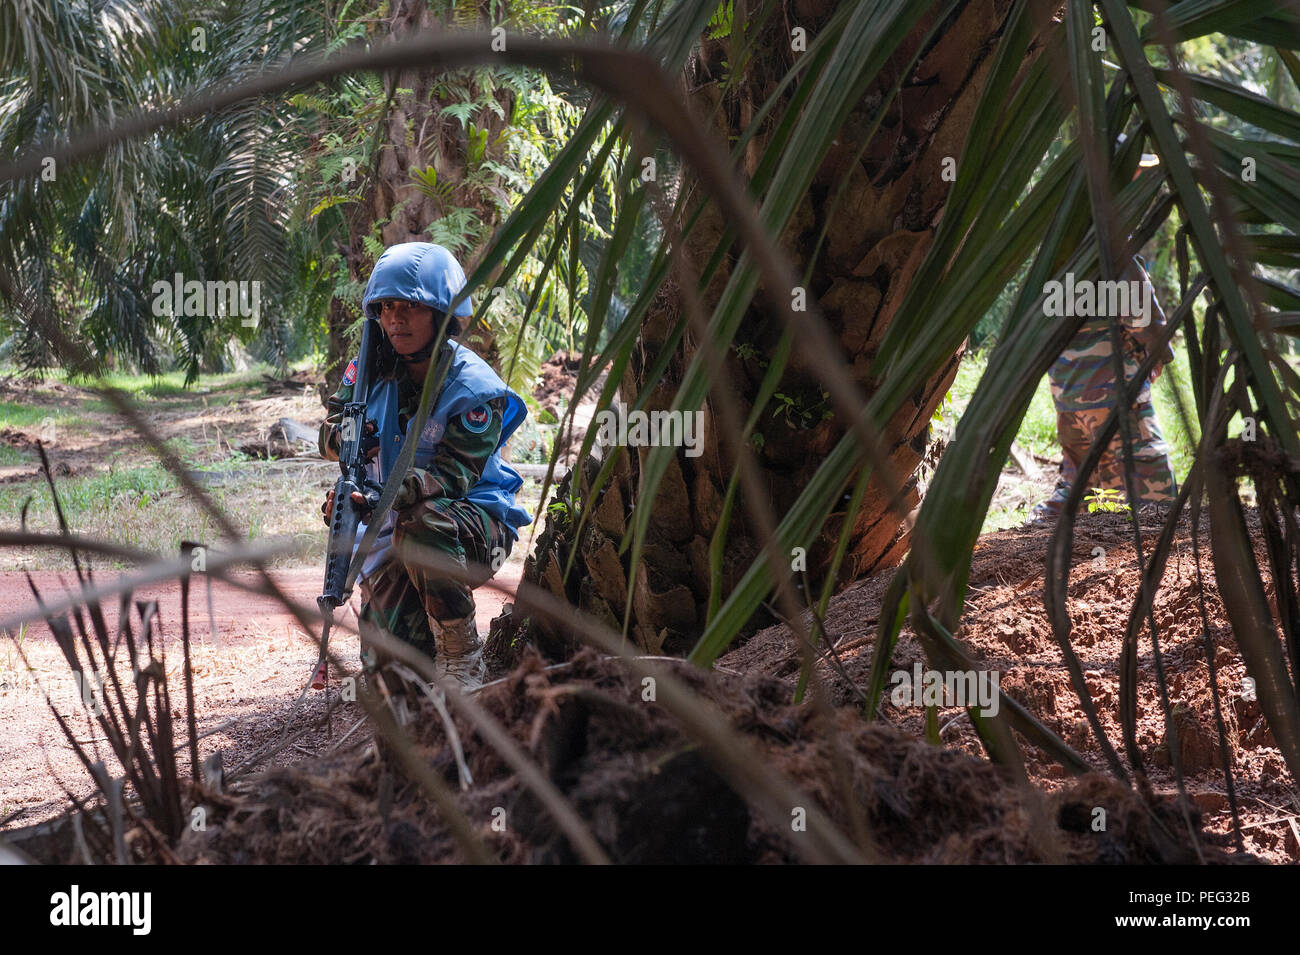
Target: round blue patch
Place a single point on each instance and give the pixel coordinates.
(476, 420)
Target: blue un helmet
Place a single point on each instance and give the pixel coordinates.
(417, 272)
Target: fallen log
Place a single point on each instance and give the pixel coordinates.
(297, 431)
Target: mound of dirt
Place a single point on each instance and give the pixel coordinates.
(650, 791)
(1006, 629)
(17, 439)
(557, 381)
(650, 795)
(555, 392)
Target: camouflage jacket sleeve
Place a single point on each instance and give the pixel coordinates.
(1148, 336)
(463, 453)
(328, 439)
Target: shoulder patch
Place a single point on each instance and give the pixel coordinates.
(350, 376)
(476, 420)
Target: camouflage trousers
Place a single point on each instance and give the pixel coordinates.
(415, 603)
(1077, 429)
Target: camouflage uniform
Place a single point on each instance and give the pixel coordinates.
(1083, 390)
(405, 600)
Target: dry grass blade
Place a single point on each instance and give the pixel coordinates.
(461, 828)
(439, 701)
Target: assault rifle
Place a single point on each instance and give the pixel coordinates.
(348, 514)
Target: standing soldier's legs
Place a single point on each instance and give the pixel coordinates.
(1075, 431)
(1152, 471)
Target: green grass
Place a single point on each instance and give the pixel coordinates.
(10, 456)
(1038, 429)
(14, 414)
(169, 388)
(144, 507)
(167, 385)
(136, 503)
(47, 422)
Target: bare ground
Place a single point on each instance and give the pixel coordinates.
(85, 435)
(251, 658)
(1006, 629)
(249, 670)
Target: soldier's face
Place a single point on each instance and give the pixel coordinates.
(409, 326)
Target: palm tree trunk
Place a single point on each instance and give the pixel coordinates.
(416, 134)
(876, 239)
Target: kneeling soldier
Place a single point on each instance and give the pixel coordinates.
(459, 497)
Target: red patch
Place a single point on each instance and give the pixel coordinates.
(350, 376)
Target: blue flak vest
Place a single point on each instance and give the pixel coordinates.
(470, 382)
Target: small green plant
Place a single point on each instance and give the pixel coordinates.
(564, 512)
(802, 412)
(943, 414)
(1108, 500)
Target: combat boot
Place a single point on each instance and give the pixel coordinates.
(460, 653)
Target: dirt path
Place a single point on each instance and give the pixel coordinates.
(249, 670)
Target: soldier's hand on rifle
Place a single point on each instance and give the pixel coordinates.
(328, 507)
(371, 441)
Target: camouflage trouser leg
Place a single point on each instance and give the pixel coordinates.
(416, 604)
(1152, 471)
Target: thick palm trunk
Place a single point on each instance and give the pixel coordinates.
(416, 134)
(877, 237)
